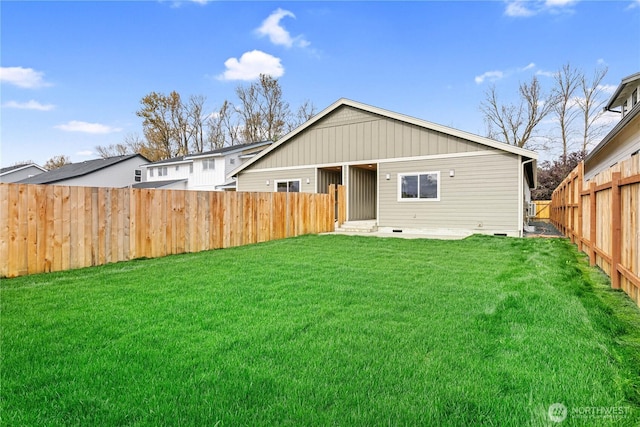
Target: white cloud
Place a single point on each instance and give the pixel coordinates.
(95, 128)
(27, 78)
(29, 105)
(634, 4)
(526, 8)
(528, 67)
(277, 34)
(518, 9)
(85, 153)
(559, 3)
(546, 73)
(251, 65)
(610, 89)
(489, 75)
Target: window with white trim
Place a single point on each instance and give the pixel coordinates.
(419, 186)
(150, 172)
(288, 186)
(190, 167)
(162, 171)
(208, 164)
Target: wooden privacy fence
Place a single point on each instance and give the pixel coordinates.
(602, 217)
(53, 228)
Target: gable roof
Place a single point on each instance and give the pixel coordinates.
(157, 184)
(75, 170)
(390, 114)
(219, 152)
(623, 91)
(16, 168)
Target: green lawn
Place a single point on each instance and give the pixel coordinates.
(324, 330)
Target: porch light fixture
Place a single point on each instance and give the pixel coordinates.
(388, 177)
(307, 180)
(452, 173)
(267, 182)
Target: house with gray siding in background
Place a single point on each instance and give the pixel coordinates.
(401, 173)
(623, 141)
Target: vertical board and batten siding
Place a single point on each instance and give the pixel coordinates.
(326, 178)
(349, 134)
(257, 180)
(602, 217)
(463, 198)
(46, 228)
(362, 194)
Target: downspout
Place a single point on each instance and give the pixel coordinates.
(521, 193)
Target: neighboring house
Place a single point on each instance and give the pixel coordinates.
(201, 171)
(118, 171)
(19, 172)
(623, 141)
(405, 174)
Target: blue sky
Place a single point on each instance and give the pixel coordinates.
(73, 72)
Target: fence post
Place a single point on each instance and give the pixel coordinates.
(580, 219)
(615, 229)
(592, 223)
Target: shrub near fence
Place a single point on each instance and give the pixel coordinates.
(602, 217)
(47, 228)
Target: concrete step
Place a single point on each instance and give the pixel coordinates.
(358, 227)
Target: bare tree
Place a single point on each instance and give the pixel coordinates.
(305, 112)
(567, 80)
(196, 122)
(516, 123)
(57, 162)
(262, 110)
(132, 144)
(591, 107)
(105, 151)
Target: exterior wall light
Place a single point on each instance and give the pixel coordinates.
(452, 173)
(267, 182)
(388, 177)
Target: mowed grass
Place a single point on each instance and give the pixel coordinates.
(324, 330)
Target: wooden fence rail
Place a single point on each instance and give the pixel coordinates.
(602, 217)
(47, 228)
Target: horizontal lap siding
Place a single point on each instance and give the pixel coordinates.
(483, 191)
(257, 181)
(351, 135)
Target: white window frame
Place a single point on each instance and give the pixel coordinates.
(163, 171)
(418, 199)
(150, 172)
(191, 167)
(206, 163)
(276, 182)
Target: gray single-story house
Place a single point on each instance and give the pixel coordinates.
(404, 174)
(17, 173)
(117, 171)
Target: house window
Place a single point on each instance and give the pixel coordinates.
(177, 168)
(190, 167)
(419, 186)
(162, 171)
(138, 172)
(634, 98)
(232, 161)
(289, 186)
(150, 172)
(208, 164)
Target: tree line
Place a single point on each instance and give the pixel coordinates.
(174, 127)
(573, 105)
